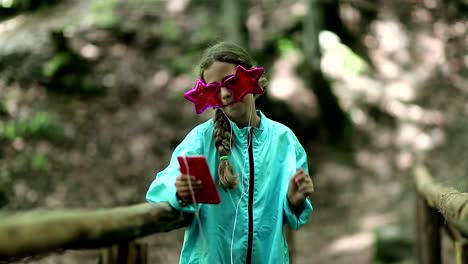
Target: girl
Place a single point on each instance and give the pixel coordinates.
(259, 167)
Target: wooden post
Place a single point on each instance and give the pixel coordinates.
(335, 118)
(123, 250)
(125, 253)
(437, 203)
(428, 232)
(460, 243)
(107, 255)
(139, 252)
(461, 251)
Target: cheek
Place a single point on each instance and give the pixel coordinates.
(248, 99)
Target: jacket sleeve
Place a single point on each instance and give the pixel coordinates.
(301, 215)
(163, 189)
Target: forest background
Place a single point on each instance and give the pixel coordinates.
(91, 106)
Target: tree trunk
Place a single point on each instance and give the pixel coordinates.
(335, 119)
(334, 23)
(233, 21)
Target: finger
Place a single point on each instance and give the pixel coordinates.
(183, 184)
(305, 184)
(185, 180)
(186, 194)
(194, 184)
(309, 182)
(309, 190)
(195, 187)
(312, 185)
(292, 180)
(191, 179)
(297, 173)
(300, 178)
(181, 179)
(306, 189)
(304, 179)
(188, 189)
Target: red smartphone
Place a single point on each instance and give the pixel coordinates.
(197, 166)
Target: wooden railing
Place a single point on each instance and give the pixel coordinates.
(36, 233)
(117, 229)
(438, 208)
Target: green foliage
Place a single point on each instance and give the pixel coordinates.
(352, 62)
(391, 245)
(66, 71)
(41, 126)
(204, 35)
(171, 30)
(57, 64)
(11, 7)
(286, 46)
(8, 132)
(103, 13)
(8, 3)
(24, 4)
(184, 64)
(40, 162)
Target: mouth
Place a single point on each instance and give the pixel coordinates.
(230, 105)
(227, 102)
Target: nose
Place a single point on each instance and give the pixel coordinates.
(226, 95)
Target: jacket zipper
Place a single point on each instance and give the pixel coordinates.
(251, 193)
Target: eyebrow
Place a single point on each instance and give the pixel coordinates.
(222, 80)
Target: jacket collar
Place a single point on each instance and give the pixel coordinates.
(243, 132)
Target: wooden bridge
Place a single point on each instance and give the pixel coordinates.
(117, 229)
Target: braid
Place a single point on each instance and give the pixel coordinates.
(223, 142)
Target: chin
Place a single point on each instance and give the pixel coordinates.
(234, 109)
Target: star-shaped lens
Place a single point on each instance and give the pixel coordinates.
(204, 96)
(243, 82)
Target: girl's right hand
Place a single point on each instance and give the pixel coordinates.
(183, 187)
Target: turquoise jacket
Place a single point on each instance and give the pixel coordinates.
(247, 226)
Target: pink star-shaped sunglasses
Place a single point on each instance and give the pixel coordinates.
(243, 82)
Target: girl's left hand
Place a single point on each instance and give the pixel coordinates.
(300, 187)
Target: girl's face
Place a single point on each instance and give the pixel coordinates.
(218, 72)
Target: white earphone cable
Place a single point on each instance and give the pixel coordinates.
(195, 204)
(242, 181)
(243, 192)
